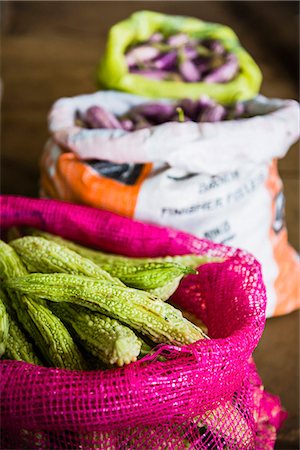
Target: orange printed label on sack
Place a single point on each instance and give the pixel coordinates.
(287, 284)
(101, 184)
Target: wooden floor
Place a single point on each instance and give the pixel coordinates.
(51, 49)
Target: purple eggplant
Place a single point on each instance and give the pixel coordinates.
(98, 117)
(190, 108)
(190, 52)
(141, 54)
(156, 37)
(236, 111)
(205, 102)
(214, 46)
(127, 124)
(177, 40)
(214, 113)
(189, 71)
(224, 73)
(202, 65)
(155, 112)
(165, 61)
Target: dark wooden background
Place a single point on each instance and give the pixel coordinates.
(51, 49)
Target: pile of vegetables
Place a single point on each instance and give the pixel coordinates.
(181, 58)
(68, 306)
(150, 114)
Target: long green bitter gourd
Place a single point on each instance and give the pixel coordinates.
(47, 331)
(17, 346)
(228, 423)
(138, 309)
(149, 275)
(42, 255)
(140, 273)
(164, 292)
(4, 324)
(105, 338)
(101, 258)
(45, 256)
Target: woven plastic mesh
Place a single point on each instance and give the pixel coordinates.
(206, 395)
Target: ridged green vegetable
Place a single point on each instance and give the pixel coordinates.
(45, 256)
(41, 255)
(228, 423)
(17, 346)
(101, 258)
(147, 276)
(138, 309)
(105, 338)
(160, 276)
(4, 324)
(46, 330)
(164, 292)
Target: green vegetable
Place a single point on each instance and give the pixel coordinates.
(41, 255)
(147, 276)
(101, 258)
(46, 330)
(105, 338)
(113, 71)
(138, 309)
(4, 324)
(228, 423)
(164, 292)
(18, 347)
(16, 344)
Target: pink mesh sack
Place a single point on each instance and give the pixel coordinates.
(206, 395)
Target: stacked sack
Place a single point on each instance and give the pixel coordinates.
(188, 144)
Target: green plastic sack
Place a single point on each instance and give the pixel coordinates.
(113, 71)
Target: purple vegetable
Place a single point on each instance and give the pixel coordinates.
(214, 113)
(178, 40)
(224, 73)
(190, 108)
(214, 45)
(156, 37)
(98, 117)
(141, 54)
(238, 110)
(127, 124)
(166, 61)
(205, 102)
(235, 111)
(155, 112)
(189, 71)
(190, 52)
